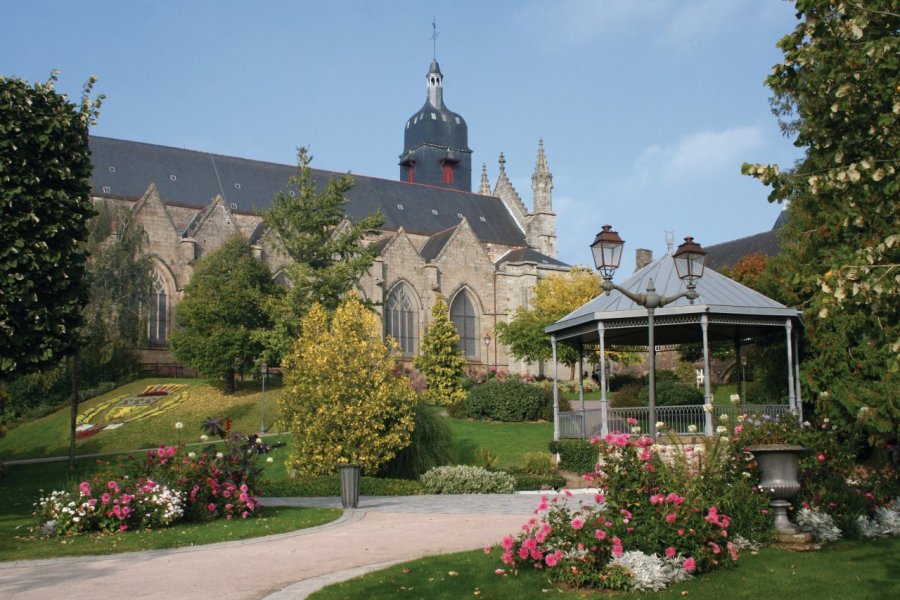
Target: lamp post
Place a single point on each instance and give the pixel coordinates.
(264, 371)
(487, 353)
(690, 260)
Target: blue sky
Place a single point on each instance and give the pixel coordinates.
(647, 108)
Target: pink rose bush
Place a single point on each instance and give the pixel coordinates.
(167, 486)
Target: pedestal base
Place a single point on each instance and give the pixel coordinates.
(782, 523)
(795, 542)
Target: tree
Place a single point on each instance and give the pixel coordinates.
(552, 299)
(45, 200)
(221, 315)
(119, 284)
(836, 92)
(439, 359)
(344, 401)
(326, 249)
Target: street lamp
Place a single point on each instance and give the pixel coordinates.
(690, 260)
(487, 353)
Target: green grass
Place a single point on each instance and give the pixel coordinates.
(507, 441)
(49, 435)
(21, 487)
(864, 569)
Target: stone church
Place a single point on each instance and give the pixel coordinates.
(483, 251)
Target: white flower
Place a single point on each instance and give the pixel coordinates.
(204, 437)
(723, 418)
(692, 428)
(636, 430)
(219, 455)
(179, 425)
(259, 441)
(721, 429)
(746, 475)
(735, 398)
(660, 424)
(192, 455)
(270, 459)
(708, 408)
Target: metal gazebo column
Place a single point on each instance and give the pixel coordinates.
(604, 402)
(707, 390)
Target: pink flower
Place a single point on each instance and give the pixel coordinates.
(671, 518)
(600, 534)
(499, 572)
(487, 549)
(631, 421)
(674, 498)
(161, 452)
(577, 523)
(716, 549)
(507, 557)
(670, 552)
(550, 559)
(599, 498)
(690, 565)
(732, 551)
(617, 550)
(657, 499)
(523, 552)
(568, 493)
(211, 507)
(506, 543)
(105, 498)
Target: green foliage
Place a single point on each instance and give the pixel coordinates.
(431, 445)
(221, 314)
(671, 393)
(577, 456)
(45, 170)
(439, 359)
(344, 400)
(684, 373)
(330, 485)
(465, 479)
(504, 400)
(326, 249)
(527, 482)
(628, 395)
(538, 463)
(835, 92)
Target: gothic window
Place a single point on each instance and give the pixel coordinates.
(158, 322)
(401, 319)
(462, 313)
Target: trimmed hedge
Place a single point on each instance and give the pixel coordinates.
(529, 482)
(330, 485)
(504, 400)
(671, 393)
(578, 456)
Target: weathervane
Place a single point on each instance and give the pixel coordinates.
(433, 38)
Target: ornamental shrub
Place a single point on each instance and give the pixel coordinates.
(465, 479)
(510, 399)
(671, 393)
(578, 456)
(439, 359)
(431, 445)
(344, 401)
(538, 463)
(330, 485)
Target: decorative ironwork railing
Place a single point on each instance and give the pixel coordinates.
(677, 419)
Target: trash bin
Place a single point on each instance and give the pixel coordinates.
(349, 485)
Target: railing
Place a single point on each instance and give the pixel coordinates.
(678, 419)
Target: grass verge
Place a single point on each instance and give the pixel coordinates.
(506, 441)
(857, 569)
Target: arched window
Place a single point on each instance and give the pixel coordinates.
(401, 319)
(462, 313)
(158, 322)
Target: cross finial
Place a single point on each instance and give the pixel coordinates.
(433, 38)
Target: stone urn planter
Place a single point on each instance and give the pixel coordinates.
(779, 465)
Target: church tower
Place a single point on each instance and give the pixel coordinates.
(542, 222)
(436, 142)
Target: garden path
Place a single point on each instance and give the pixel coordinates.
(381, 532)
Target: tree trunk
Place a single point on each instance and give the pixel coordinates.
(230, 384)
(75, 363)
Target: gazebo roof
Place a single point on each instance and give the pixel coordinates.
(733, 311)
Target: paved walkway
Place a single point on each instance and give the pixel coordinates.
(384, 530)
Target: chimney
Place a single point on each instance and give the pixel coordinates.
(642, 258)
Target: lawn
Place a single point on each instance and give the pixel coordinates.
(859, 569)
(506, 441)
(49, 435)
(21, 486)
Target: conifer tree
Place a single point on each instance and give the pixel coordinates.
(343, 400)
(439, 359)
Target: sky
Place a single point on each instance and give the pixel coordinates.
(647, 108)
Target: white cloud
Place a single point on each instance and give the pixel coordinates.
(698, 156)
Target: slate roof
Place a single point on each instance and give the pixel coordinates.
(727, 254)
(436, 243)
(124, 169)
(525, 255)
(733, 309)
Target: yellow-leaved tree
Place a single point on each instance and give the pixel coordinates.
(343, 400)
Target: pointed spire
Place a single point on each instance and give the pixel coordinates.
(485, 188)
(541, 170)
